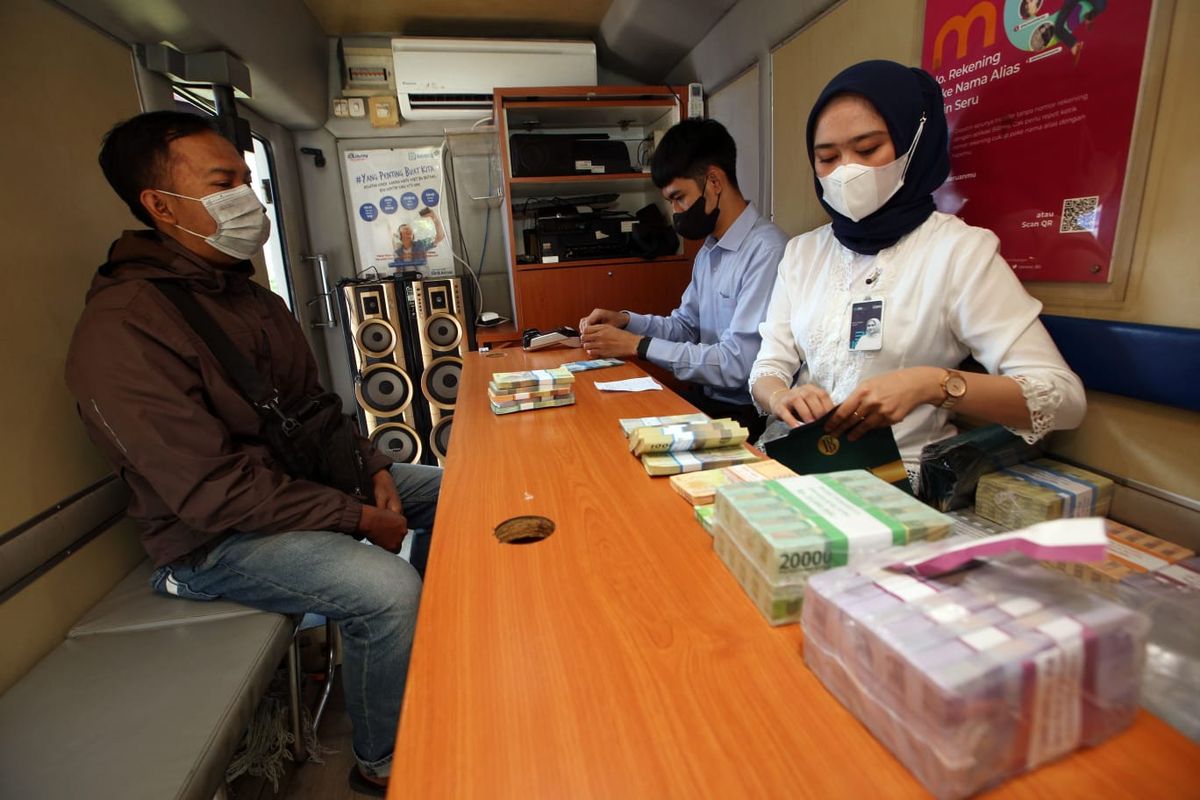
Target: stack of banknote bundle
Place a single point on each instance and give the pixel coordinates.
(1130, 552)
(1025, 494)
(779, 600)
(510, 392)
(976, 675)
(704, 515)
(659, 464)
(687, 437)
(811, 523)
(631, 424)
(775, 534)
(700, 488)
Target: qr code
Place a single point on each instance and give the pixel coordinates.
(1080, 215)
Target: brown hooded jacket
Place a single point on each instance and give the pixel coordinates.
(157, 403)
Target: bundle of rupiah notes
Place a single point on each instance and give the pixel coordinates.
(700, 488)
(774, 534)
(1043, 489)
(978, 674)
(509, 392)
(687, 437)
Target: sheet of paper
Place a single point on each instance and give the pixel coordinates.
(630, 385)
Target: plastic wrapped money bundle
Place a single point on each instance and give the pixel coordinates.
(977, 675)
(510, 392)
(1170, 596)
(631, 424)
(659, 464)
(798, 526)
(1130, 552)
(687, 437)
(951, 468)
(1025, 494)
(700, 488)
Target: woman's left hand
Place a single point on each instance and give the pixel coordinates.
(885, 400)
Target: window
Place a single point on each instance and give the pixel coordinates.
(262, 171)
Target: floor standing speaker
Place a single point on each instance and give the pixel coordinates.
(383, 383)
(440, 325)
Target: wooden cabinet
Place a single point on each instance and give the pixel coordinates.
(561, 296)
(556, 287)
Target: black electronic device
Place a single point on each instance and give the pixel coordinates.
(574, 237)
(534, 339)
(539, 206)
(549, 154)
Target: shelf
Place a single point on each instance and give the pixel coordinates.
(565, 185)
(524, 117)
(602, 262)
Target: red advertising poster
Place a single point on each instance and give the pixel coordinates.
(1040, 98)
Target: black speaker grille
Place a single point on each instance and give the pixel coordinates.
(398, 441)
(376, 338)
(439, 437)
(384, 390)
(441, 379)
(443, 331)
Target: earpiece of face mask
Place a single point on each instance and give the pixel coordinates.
(858, 191)
(242, 224)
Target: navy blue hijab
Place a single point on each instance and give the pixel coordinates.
(900, 94)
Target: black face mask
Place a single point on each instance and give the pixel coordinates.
(694, 223)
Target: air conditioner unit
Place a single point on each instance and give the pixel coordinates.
(454, 78)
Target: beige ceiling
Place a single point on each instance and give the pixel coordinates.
(536, 18)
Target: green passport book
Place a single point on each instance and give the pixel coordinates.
(809, 450)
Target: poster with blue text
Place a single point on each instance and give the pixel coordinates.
(400, 222)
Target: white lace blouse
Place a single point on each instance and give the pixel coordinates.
(947, 293)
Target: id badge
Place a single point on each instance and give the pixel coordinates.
(866, 324)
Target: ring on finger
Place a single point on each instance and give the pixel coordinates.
(856, 414)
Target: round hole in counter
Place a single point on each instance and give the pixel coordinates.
(525, 529)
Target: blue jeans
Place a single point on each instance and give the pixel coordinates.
(372, 594)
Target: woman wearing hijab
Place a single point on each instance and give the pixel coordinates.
(877, 140)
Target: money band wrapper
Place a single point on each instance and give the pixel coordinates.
(979, 674)
(1043, 489)
(951, 469)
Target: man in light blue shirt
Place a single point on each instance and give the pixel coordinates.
(712, 339)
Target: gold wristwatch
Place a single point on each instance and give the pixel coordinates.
(954, 386)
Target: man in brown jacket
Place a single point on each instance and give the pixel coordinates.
(220, 517)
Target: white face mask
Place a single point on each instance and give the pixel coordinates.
(242, 224)
(857, 191)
